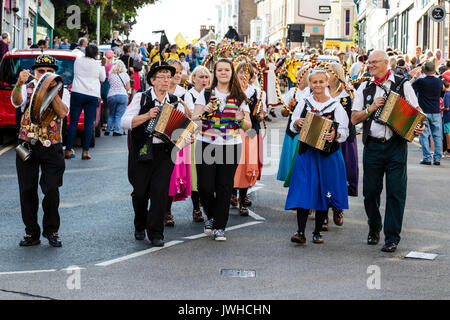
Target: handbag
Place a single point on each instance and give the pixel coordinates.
(129, 96)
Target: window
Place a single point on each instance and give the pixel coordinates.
(347, 23)
(393, 33)
(404, 31)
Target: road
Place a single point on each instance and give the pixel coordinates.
(97, 234)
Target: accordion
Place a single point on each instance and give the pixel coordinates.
(171, 126)
(400, 116)
(314, 130)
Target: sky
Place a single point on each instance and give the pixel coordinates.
(174, 16)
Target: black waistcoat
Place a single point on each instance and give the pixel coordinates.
(346, 103)
(330, 115)
(369, 95)
(252, 105)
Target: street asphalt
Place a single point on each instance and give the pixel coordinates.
(97, 227)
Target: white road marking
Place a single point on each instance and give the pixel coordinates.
(243, 225)
(255, 216)
(138, 254)
(24, 272)
(254, 189)
(197, 236)
(6, 149)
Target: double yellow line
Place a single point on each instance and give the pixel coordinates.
(6, 149)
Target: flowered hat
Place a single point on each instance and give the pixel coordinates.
(45, 61)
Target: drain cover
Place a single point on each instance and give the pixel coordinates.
(238, 273)
(421, 255)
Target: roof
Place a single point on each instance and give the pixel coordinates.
(38, 52)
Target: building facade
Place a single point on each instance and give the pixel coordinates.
(24, 19)
(402, 24)
(276, 17)
(339, 31)
(237, 14)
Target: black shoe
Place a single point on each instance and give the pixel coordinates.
(243, 211)
(317, 238)
(389, 247)
(157, 242)
(139, 235)
(428, 163)
(437, 163)
(115, 134)
(53, 239)
(298, 237)
(373, 238)
(272, 113)
(106, 133)
(28, 241)
(267, 119)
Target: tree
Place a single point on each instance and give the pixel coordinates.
(117, 15)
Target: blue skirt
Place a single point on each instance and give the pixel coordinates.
(318, 182)
(287, 154)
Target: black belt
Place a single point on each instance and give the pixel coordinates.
(379, 140)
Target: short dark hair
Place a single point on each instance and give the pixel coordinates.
(182, 55)
(41, 43)
(91, 51)
(401, 62)
(126, 48)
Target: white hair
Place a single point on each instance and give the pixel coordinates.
(118, 67)
(381, 53)
(199, 69)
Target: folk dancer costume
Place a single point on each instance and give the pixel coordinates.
(318, 178)
(290, 142)
(149, 163)
(217, 157)
(385, 152)
(46, 149)
(180, 181)
(248, 169)
(190, 98)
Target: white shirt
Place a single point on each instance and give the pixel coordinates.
(189, 100)
(355, 69)
(65, 98)
(298, 96)
(88, 73)
(378, 130)
(186, 68)
(179, 91)
(339, 114)
(118, 84)
(223, 101)
(135, 106)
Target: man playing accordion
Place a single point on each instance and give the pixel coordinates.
(44, 148)
(385, 152)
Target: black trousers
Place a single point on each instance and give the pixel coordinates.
(216, 166)
(51, 162)
(150, 181)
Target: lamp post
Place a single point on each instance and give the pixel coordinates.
(98, 22)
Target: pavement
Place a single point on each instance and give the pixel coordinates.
(106, 262)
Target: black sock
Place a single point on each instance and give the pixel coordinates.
(234, 192)
(302, 217)
(195, 197)
(243, 193)
(169, 204)
(321, 215)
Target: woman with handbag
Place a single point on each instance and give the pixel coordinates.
(119, 82)
(88, 73)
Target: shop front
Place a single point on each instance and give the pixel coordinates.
(45, 21)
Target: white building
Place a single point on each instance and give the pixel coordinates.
(339, 26)
(237, 14)
(18, 19)
(405, 25)
(275, 17)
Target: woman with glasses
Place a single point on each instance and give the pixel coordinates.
(88, 73)
(219, 143)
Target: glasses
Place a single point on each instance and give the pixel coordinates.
(44, 71)
(164, 78)
(373, 62)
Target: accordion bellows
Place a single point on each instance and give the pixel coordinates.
(172, 126)
(400, 116)
(314, 130)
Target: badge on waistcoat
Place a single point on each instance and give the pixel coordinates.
(369, 97)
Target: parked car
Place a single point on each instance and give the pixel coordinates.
(14, 62)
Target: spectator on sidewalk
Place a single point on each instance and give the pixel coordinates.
(64, 44)
(4, 44)
(446, 113)
(428, 90)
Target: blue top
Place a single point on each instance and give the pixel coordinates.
(428, 90)
(446, 114)
(65, 46)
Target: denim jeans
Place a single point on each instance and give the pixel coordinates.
(116, 104)
(433, 127)
(78, 102)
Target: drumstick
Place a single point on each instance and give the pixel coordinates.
(34, 77)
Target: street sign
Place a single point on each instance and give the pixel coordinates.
(306, 34)
(437, 13)
(324, 9)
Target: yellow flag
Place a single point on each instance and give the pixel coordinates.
(180, 41)
(194, 41)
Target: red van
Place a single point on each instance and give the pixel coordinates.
(15, 61)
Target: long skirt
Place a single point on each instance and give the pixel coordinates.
(287, 155)
(180, 181)
(350, 153)
(318, 182)
(194, 184)
(260, 155)
(247, 171)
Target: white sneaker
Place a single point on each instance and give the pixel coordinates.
(208, 227)
(219, 235)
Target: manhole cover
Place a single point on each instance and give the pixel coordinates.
(421, 255)
(238, 273)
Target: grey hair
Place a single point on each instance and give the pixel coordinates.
(380, 53)
(5, 35)
(197, 70)
(173, 61)
(81, 40)
(118, 67)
